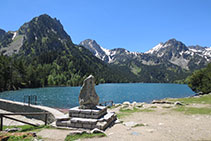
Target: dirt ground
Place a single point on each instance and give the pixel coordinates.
(161, 124)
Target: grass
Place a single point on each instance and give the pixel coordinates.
(153, 107)
(126, 112)
(26, 128)
(20, 138)
(166, 107)
(138, 125)
(22, 135)
(115, 106)
(193, 110)
(205, 99)
(84, 135)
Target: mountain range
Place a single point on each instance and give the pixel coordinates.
(46, 53)
(170, 57)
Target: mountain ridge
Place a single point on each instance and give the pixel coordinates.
(40, 53)
(172, 58)
(165, 50)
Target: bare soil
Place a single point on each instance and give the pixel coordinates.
(162, 124)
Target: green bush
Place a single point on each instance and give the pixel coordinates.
(200, 80)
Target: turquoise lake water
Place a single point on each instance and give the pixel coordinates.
(67, 97)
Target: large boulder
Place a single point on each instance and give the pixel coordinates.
(88, 98)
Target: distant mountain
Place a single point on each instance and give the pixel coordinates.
(45, 55)
(172, 60)
(189, 58)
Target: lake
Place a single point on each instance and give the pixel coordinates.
(67, 97)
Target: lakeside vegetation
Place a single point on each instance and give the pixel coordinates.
(83, 136)
(200, 80)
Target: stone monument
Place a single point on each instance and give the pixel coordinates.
(88, 115)
(88, 98)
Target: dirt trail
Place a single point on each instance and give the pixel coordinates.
(162, 124)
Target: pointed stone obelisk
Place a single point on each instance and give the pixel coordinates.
(88, 98)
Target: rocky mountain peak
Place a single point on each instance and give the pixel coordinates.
(96, 49)
(43, 26)
(2, 32)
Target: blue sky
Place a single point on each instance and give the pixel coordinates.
(137, 25)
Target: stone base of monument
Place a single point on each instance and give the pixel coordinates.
(88, 118)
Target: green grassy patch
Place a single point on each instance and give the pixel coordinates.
(205, 99)
(84, 135)
(135, 69)
(166, 107)
(193, 110)
(113, 107)
(20, 138)
(26, 128)
(138, 125)
(126, 112)
(153, 107)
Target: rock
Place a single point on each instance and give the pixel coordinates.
(126, 103)
(117, 105)
(139, 105)
(77, 132)
(161, 102)
(96, 130)
(12, 129)
(130, 124)
(88, 98)
(177, 103)
(118, 121)
(134, 104)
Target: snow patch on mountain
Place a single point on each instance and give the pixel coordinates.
(14, 35)
(155, 49)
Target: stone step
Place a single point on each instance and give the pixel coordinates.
(88, 123)
(88, 113)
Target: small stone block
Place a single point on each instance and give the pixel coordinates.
(78, 125)
(101, 125)
(89, 126)
(108, 116)
(88, 116)
(95, 116)
(86, 111)
(75, 110)
(75, 115)
(61, 123)
(81, 115)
